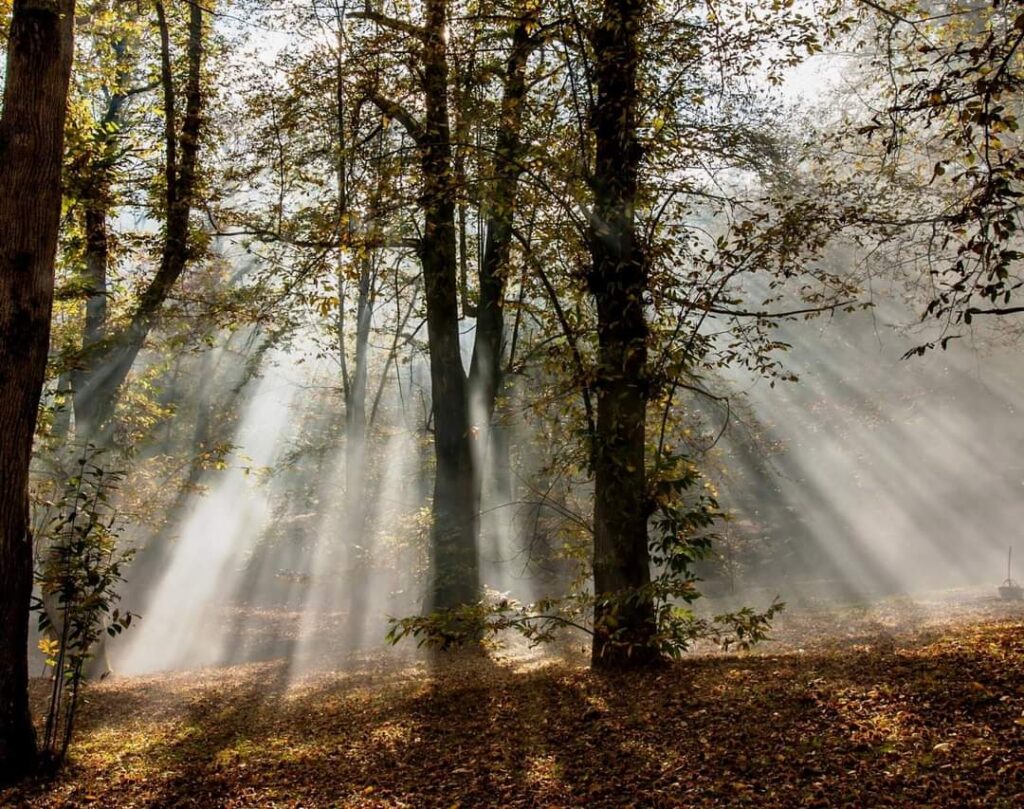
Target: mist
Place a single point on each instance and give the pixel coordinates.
(882, 474)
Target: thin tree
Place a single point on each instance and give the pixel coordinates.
(107, 365)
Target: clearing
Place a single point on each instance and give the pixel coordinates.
(890, 704)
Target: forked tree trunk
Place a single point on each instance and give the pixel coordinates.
(455, 575)
(455, 562)
(453, 535)
(31, 150)
(104, 371)
(623, 616)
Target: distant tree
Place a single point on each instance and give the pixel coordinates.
(102, 141)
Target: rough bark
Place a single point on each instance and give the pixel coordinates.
(31, 150)
(618, 283)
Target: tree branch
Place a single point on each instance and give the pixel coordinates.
(383, 20)
(395, 110)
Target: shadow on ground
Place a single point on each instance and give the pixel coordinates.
(935, 722)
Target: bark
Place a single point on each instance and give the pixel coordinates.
(618, 282)
(455, 578)
(97, 201)
(456, 484)
(105, 369)
(489, 343)
(485, 376)
(31, 150)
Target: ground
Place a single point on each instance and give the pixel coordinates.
(887, 705)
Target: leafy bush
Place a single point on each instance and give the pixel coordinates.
(681, 533)
(78, 574)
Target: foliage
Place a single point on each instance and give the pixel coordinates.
(943, 148)
(681, 534)
(78, 578)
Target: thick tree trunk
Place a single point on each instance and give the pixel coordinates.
(453, 536)
(455, 576)
(623, 619)
(31, 151)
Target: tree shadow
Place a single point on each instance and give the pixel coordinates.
(823, 728)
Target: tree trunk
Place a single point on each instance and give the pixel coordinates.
(455, 575)
(31, 151)
(96, 255)
(623, 615)
(354, 382)
(97, 249)
(105, 371)
(453, 534)
(485, 373)
(355, 458)
(489, 343)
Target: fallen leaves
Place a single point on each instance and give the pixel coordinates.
(931, 719)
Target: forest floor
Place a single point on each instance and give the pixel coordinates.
(893, 704)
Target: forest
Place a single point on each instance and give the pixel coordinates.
(506, 403)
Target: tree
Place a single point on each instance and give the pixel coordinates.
(618, 282)
(943, 135)
(455, 575)
(39, 56)
(106, 363)
(500, 206)
(98, 154)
